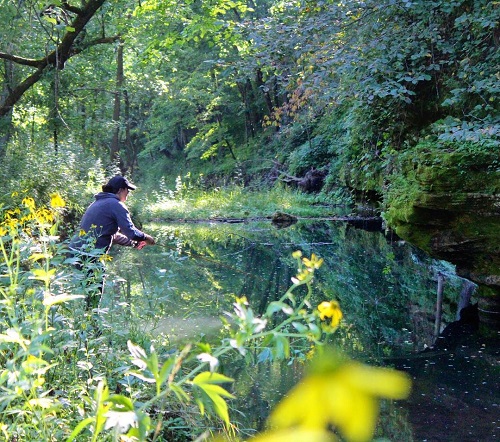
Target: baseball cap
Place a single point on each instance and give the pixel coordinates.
(120, 182)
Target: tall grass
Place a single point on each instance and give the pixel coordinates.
(193, 201)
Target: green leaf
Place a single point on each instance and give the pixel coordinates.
(277, 306)
(264, 355)
(165, 370)
(301, 328)
(152, 363)
(79, 428)
(124, 401)
(281, 349)
(179, 392)
(142, 377)
(207, 383)
(43, 275)
(211, 378)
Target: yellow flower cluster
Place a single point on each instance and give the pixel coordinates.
(313, 263)
(19, 219)
(306, 268)
(56, 201)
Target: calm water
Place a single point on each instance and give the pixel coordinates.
(386, 289)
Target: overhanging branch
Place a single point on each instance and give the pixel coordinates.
(56, 58)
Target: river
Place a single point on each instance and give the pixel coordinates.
(386, 290)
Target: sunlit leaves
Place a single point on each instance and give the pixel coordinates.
(49, 299)
(44, 275)
(209, 384)
(150, 369)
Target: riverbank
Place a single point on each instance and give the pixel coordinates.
(236, 203)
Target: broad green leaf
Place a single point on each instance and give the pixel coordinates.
(301, 328)
(38, 256)
(152, 363)
(43, 275)
(41, 402)
(211, 378)
(50, 300)
(143, 377)
(208, 383)
(281, 348)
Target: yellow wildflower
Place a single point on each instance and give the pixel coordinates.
(105, 257)
(29, 202)
(313, 263)
(345, 396)
(301, 276)
(44, 216)
(56, 201)
(27, 218)
(330, 309)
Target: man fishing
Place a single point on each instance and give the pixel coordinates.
(106, 222)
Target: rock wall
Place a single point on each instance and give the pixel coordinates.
(448, 204)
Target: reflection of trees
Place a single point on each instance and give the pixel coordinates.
(379, 283)
(274, 277)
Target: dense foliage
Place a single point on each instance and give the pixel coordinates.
(196, 95)
(235, 89)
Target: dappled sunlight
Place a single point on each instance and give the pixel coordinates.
(237, 202)
(167, 207)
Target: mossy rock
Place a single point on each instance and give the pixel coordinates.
(448, 204)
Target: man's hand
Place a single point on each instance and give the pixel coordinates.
(148, 240)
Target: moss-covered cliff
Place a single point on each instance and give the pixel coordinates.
(447, 202)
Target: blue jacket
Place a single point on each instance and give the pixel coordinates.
(108, 220)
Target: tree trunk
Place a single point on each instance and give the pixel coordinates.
(6, 121)
(130, 147)
(115, 142)
(267, 95)
(56, 58)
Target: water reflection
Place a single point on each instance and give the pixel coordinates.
(387, 291)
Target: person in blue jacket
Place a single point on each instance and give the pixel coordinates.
(105, 222)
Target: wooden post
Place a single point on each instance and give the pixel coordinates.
(439, 305)
(468, 289)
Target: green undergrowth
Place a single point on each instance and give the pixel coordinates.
(235, 202)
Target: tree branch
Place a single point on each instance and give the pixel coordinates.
(74, 9)
(20, 60)
(65, 50)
